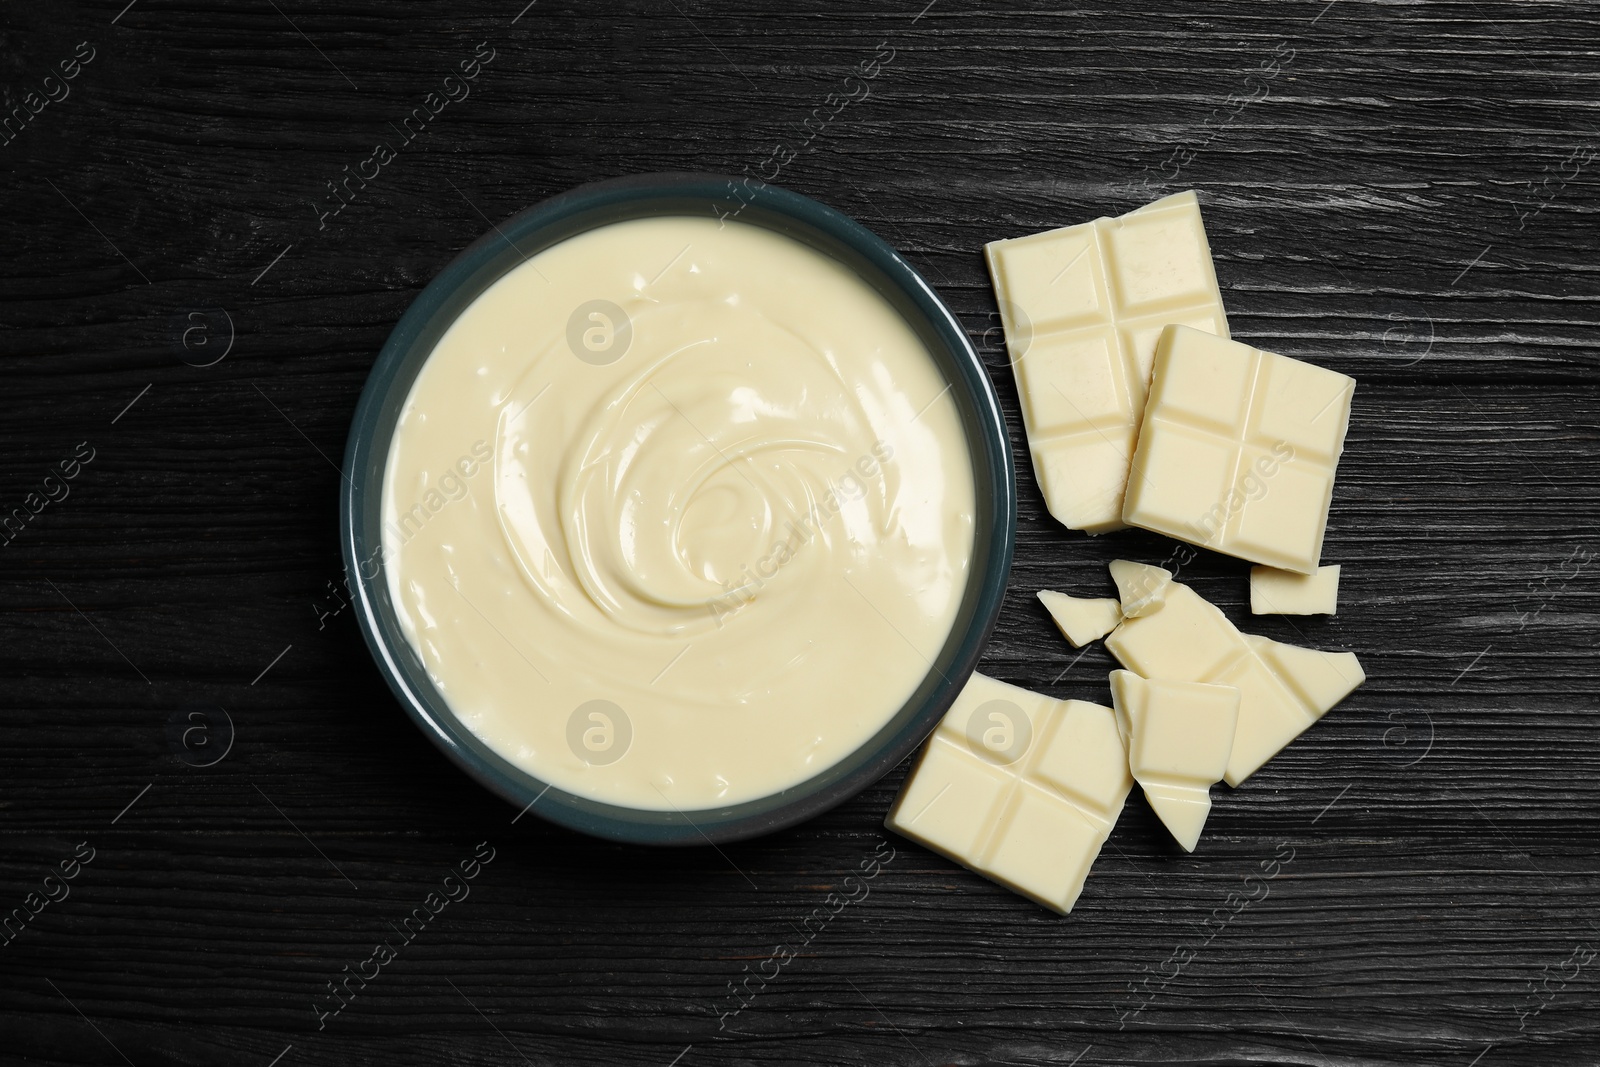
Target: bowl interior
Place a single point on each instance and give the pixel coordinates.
(508, 245)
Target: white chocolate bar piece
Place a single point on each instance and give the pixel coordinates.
(1180, 735)
(1275, 592)
(1283, 689)
(1020, 788)
(1080, 619)
(1238, 449)
(1140, 586)
(1082, 307)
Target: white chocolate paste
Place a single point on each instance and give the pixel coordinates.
(678, 514)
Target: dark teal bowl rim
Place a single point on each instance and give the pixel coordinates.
(734, 200)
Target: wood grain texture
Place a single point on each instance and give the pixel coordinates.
(1400, 204)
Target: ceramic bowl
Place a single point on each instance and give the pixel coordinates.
(504, 247)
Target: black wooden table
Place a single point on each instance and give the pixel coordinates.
(211, 806)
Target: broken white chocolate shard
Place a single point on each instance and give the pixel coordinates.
(1141, 587)
(1319, 679)
(1082, 307)
(1275, 592)
(1180, 736)
(1283, 689)
(1019, 787)
(1079, 619)
(1238, 449)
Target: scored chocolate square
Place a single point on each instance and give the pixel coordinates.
(1019, 787)
(1238, 449)
(1082, 308)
